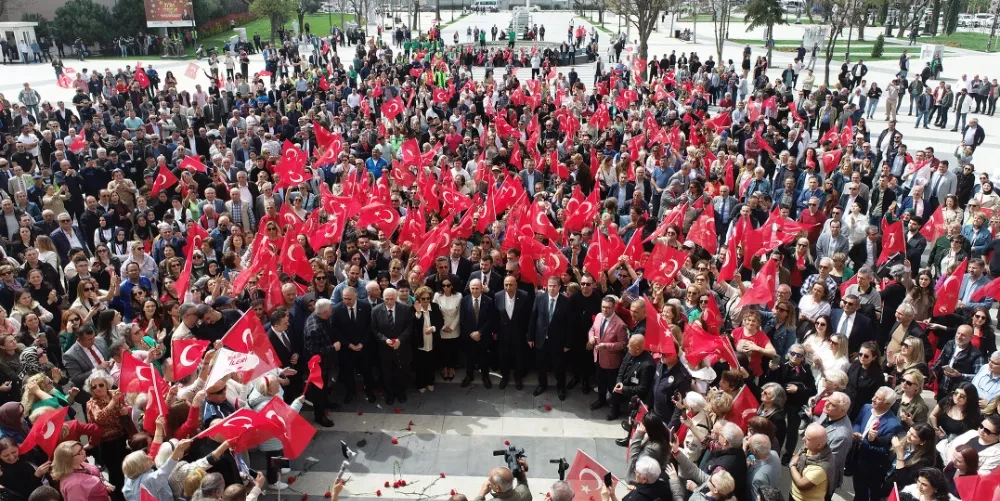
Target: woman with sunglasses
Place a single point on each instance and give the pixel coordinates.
(795, 376)
(865, 376)
(448, 302)
(90, 301)
(427, 324)
(912, 408)
(910, 356)
(106, 409)
(816, 345)
(956, 413)
(77, 478)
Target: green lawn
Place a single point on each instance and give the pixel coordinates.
(971, 41)
(318, 24)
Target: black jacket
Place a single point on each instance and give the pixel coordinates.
(636, 376)
(733, 460)
(862, 384)
(801, 378)
(656, 491)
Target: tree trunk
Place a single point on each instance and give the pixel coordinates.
(770, 46)
(861, 26)
(902, 24)
(830, 44)
(302, 17)
(437, 10)
(275, 24)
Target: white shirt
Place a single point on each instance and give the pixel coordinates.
(871, 422)
(73, 241)
(90, 352)
(846, 322)
(509, 305)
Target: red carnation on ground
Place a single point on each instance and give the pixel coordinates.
(360, 413)
(453, 492)
(327, 495)
(387, 484)
(442, 474)
(291, 480)
(399, 410)
(548, 407)
(395, 441)
(305, 497)
(378, 493)
(396, 484)
(411, 423)
(402, 482)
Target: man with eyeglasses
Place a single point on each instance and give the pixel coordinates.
(477, 316)
(850, 323)
(513, 308)
(985, 440)
(67, 237)
(133, 279)
(584, 305)
(874, 428)
(823, 276)
(987, 380)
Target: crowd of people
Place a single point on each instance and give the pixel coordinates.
(763, 277)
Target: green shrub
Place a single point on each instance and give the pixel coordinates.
(879, 45)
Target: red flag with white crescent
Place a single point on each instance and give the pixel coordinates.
(586, 476)
(663, 264)
(744, 407)
(763, 287)
(947, 293)
(295, 431)
(893, 241)
(187, 354)
(164, 180)
(135, 376)
(45, 432)
(699, 344)
(658, 337)
(193, 163)
(243, 429)
(392, 108)
(935, 226)
(248, 336)
(381, 215)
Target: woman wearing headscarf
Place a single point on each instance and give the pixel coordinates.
(12, 423)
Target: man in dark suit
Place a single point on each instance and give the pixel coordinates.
(68, 237)
(321, 339)
(866, 250)
(390, 325)
(352, 319)
(459, 264)
(915, 245)
(874, 438)
(855, 326)
(442, 272)
(548, 335)
(621, 191)
(476, 314)
(491, 280)
(287, 347)
(513, 309)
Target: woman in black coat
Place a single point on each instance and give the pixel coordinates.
(795, 376)
(427, 324)
(864, 377)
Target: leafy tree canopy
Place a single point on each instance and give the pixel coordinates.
(84, 19)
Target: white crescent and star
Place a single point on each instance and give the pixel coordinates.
(247, 339)
(584, 486)
(50, 429)
(184, 360)
(138, 373)
(232, 423)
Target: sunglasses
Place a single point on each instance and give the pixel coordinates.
(987, 430)
(85, 289)
(446, 285)
(795, 354)
(821, 323)
(907, 382)
(98, 385)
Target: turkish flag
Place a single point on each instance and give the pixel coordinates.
(435, 243)
(293, 258)
(142, 78)
(699, 343)
(894, 493)
(410, 152)
(192, 71)
(729, 265)
(712, 317)
(658, 338)
(381, 215)
(324, 84)
(195, 236)
(602, 117)
(193, 163)
(989, 290)
(794, 109)
(598, 257)
(893, 241)
(65, 80)
(633, 250)
(296, 432)
(441, 95)
(541, 224)
(164, 179)
(510, 192)
(156, 404)
(703, 230)
(934, 227)
(848, 283)
(181, 284)
(553, 261)
(764, 145)
(663, 264)
(976, 487)
(429, 191)
(329, 233)
(761, 290)
(79, 143)
(144, 495)
(847, 133)
(947, 294)
(136, 376)
(586, 476)
(744, 407)
(244, 429)
(45, 432)
(315, 372)
(287, 216)
(291, 168)
(831, 160)
(247, 335)
(186, 355)
(392, 108)
(586, 210)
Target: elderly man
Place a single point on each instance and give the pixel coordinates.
(839, 434)
(650, 483)
(320, 339)
(987, 380)
(811, 471)
(959, 362)
(548, 328)
(635, 377)
(477, 323)
(832, 242)
(734, 465)
(874, 428)
(352, 318)
(606, 339)
(391, 322)
(825, 267)
(852, 324)
(765, 469)
(501, 484)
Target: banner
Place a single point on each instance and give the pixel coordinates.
(169, 13)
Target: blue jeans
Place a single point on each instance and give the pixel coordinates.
(872, 106)
(922, 114)
(960, 118)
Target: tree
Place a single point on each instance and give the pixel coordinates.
(83, 19)
(360, 9)
(277, 11)
(722, 13)
(130, 17)
(954, 8)
(44, 28)
(643, 14)
(839, 19)
(306, 7)
(764, 13)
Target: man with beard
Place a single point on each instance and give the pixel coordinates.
(584, 305)
(635, 377)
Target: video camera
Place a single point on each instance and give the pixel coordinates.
(511, 455)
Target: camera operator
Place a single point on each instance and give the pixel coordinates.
(501, 484)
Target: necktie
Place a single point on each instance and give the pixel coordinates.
(351, 311)
(392, 323)
(552, 307)
(475, 308)
(93, 353)
(936, 183)
(284, 340)
(604, 324)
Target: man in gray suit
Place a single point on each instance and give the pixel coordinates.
(529, 176)
(88, 353)
(840, 436)
(391, 322)
(942, 183)
(832, 241)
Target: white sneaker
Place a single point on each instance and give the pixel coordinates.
(430, 387)
(286, 471)
(278, 486)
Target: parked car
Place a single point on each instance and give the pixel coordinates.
(966, 20)
(983, 20)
